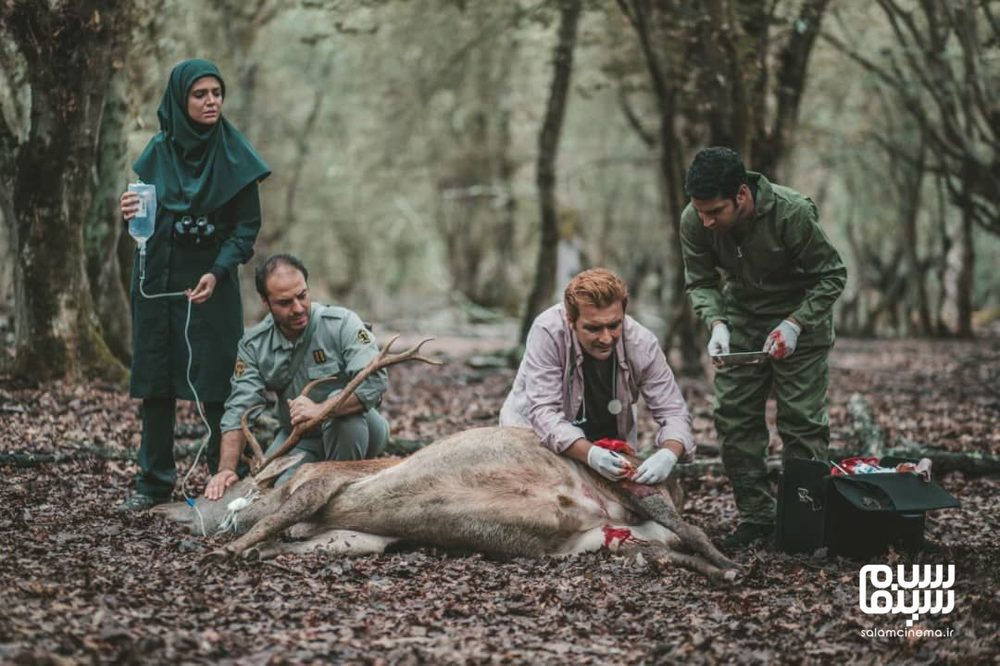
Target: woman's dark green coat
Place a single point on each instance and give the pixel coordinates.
(160, 354)
(198, 171)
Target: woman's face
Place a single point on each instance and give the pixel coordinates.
(204, 102)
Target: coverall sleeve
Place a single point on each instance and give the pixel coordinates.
(247, 388)
(358, 347)
(544, 389)
(813, 252)
(238, 248)
(701, 277)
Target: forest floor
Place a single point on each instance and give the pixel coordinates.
(83, 584)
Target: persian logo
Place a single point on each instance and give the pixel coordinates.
(921, 590)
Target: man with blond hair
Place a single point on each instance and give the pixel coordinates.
(585, 365)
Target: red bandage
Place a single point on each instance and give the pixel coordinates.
(616, 445)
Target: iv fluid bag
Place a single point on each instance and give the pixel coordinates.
(140, 227)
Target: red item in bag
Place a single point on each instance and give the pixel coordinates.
(851, 465)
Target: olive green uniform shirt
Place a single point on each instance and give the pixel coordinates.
(340, 346)
(777, 264)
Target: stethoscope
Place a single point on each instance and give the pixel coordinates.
(614, 405)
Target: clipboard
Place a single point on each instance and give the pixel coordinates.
(740, 358)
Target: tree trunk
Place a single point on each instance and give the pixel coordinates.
(910, 184)
(965, 277)
(959, 261)
(69, 52)
(770, 147)
(104, 229)
(548, 149)
(966, 265)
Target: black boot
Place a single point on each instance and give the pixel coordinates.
(748, 533)
(139, 502)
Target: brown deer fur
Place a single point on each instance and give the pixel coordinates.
(497, 491)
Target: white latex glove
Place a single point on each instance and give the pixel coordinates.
(608, 464)
(656, 468)
(781, 341)
(719, 343)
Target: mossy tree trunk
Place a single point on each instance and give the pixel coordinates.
(67, 52)
(104, 231)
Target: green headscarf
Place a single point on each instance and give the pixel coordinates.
(196, 168)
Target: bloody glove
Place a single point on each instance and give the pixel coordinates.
(782, 340)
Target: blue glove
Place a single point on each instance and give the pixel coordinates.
(608, 464)
(719, 343)
(782, 340)
(656, 467)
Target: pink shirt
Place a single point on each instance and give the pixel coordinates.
(548, 389)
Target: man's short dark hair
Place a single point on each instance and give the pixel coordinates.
(715, 173)
(270, 265)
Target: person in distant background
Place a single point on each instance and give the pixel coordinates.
(208, 215)
(585, 365)
(780, 279)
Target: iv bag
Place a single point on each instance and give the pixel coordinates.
(141, 226)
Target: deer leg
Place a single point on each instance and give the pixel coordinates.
(697, 564)
(333, 542)
(657, 507)
(307, 499)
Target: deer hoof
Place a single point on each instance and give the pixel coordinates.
(217, 556)
(253, 554)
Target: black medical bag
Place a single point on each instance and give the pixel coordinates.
(858, 515)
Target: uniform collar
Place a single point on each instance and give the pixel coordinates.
(764, 201)
(279, 341)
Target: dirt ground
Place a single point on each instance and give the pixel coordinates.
(82, 584)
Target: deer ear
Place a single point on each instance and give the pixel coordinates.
(267, 476)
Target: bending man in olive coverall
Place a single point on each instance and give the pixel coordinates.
(298, 342)
(780, 277)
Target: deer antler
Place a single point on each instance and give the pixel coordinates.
(383, 360)
(257, 460)
(258, 452)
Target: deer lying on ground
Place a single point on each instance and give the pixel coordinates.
(497, 491)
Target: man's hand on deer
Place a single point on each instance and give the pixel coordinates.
(302, 409)
(218, 484)
(608, 464)
(656, 468)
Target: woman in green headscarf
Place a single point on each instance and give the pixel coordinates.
(207, 218)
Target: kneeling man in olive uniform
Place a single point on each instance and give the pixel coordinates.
(300, 341)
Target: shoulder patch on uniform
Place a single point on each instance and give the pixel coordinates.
(319, 356)
(240, 368)
(364, 337)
